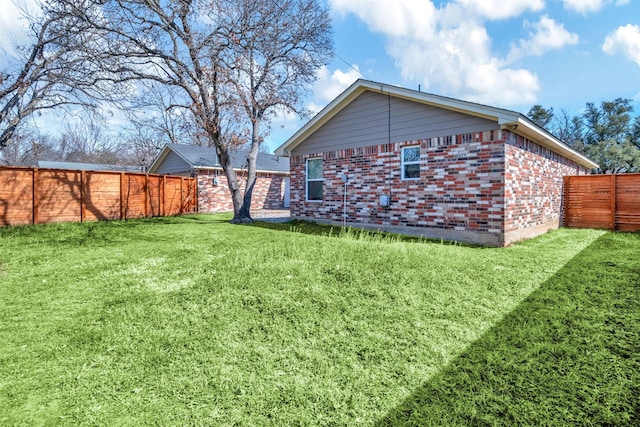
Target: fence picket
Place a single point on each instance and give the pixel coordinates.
(602, 201)
(71, 195)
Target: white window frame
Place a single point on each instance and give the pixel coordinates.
(308, 180)
(403, 163)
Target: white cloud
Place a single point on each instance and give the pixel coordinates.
(546, 35)
(500, 9)
(625, 41)
(402, 18)
(463, 66)
(447, 49)
(585, 6)
(330, 85)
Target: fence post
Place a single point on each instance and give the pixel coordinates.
(181, 196)
(83, 194)
(563, 200)
(162, 196)
(146, 195)
(35, 195)
(122, 195)
(613, 202)
(195, 193)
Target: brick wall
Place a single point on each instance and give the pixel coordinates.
(533, 186)
(461, 193)
(268, 192)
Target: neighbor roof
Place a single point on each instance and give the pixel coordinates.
(206, 158)
(506, 119)
(46, 164)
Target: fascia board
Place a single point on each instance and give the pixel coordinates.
(529, 130)
(219, 168)
(504, 118)
(163, 154)
(470, 108)
(360, 86)
(330, 110)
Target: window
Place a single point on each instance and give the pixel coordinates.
(314, 179)
(411, 162)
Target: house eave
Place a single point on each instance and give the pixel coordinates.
(360, 86)
(158, 161)
(529, 130)
(506, 119)
(329, 111)
(218, 168)
(163, 154)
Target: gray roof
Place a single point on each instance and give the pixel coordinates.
(206, 157)
(46, 164)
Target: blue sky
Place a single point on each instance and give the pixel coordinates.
(505, 53)
(512, 54)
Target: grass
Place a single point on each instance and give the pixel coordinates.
(193, 321)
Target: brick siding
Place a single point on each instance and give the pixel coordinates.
(268, 192)
(533, 183)
(474, 187)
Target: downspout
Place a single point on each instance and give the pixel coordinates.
(345, 178)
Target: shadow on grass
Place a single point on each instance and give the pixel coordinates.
(105, 232)
(568, 355)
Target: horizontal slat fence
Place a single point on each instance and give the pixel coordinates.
(602, 201)
(36, 196)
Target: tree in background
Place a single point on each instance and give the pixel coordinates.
(28, 147)
(540, 115)
(52, 72)
(608, 136)
(230, 64)
(605, 133)
(77, 143)
(609, 122)
(89, 143)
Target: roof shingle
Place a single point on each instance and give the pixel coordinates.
(206, 157)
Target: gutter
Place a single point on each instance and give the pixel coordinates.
(240, 170)
(524, 127)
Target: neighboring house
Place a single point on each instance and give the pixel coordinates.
(272, 183)
(428, 165)
(45, 164)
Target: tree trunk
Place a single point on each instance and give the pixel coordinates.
(232, 179)
(243, 214)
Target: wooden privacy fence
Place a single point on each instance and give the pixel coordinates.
(602, 201)
(35, 196)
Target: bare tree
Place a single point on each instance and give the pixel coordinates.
(141, 148)
(53, 71)
(232, 62)
(278, 47)
(79, 142)
(156, 114)
(28, 147)
(82, 142)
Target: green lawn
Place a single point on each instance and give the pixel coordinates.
(193, 321)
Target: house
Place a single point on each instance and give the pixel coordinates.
(272, 183)
(389, 158)
(83, 166)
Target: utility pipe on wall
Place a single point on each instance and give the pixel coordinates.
(345, 178)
